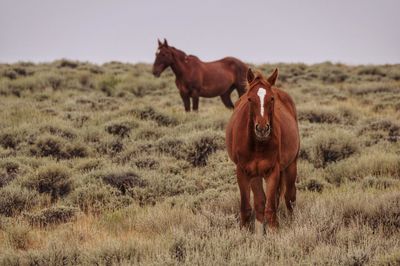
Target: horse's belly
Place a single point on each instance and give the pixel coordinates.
(213, 90)
(215, 84)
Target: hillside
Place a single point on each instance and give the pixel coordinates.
(100, 164)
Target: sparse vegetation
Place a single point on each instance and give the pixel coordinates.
(101, 165)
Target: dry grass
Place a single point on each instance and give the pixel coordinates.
(100, 165)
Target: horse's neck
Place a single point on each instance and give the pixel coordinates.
(179, 60)
(251, 141)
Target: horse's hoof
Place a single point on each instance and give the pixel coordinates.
(259, 228)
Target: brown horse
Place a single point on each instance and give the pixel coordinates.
(262, 139)
(195, 78)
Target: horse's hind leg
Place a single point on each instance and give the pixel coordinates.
(226, 99)
(289, 178)
(195, 102)
(259, 204)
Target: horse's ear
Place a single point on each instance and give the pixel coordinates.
(273, 77)
(159, 42)
(165, 42)
(250, 75)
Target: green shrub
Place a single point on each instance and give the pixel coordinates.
(59, 131)
(373, 88)
(148, 134)
(67, 63)
(201, 147)
(56, 253)
(146, 163)
(89, 165)
(319, 116)
(14, 200)
(50, 146)
(52, 179)
(76, 150)
(371, 70)
(9, 140)
(122, 180)
(383, 128)
(9, 73)
(107, 84)
(8, 172)
(378, 182)
(19, 236)
(51, 216)
(54, 80)
(121, 129)
(195, 149)
(172, 146)
(373, 162)
(56, 147)
(311, 185)
(331, 146)
(111, 146)
(384, 215)
(178, 250)
(96, 197)
(148, 113)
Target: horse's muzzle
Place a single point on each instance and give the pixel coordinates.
(156, 73)
(262, 132)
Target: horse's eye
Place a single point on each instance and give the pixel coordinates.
(272, 98)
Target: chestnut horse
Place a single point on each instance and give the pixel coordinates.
(262, 139)
(195, 78)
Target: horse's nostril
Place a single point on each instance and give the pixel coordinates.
(258, 128)
(267, 127)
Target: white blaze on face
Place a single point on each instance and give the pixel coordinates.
(261, 93)
(158, 51)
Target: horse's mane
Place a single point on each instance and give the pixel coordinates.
(192, 56)
(179, 52)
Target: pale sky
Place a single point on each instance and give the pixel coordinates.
(256, 31)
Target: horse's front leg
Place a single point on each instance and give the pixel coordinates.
(272, 182)
(245, 207)
(259, 204)
(186, 100)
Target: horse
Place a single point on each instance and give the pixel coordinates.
(195, 78)
(262, 139)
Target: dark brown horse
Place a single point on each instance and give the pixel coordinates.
(262, 139)
(195, 78)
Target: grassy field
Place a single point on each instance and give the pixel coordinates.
(101, 165)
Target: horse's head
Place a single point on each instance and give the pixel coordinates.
(261, 99)
(164, 58)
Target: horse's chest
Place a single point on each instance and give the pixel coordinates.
(258, 167)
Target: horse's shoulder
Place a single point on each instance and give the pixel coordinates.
(286, 100)
(283, 96)
(240, 103)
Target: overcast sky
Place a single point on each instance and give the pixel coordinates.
(310, 31)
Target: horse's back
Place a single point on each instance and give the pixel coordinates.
(231, 64)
